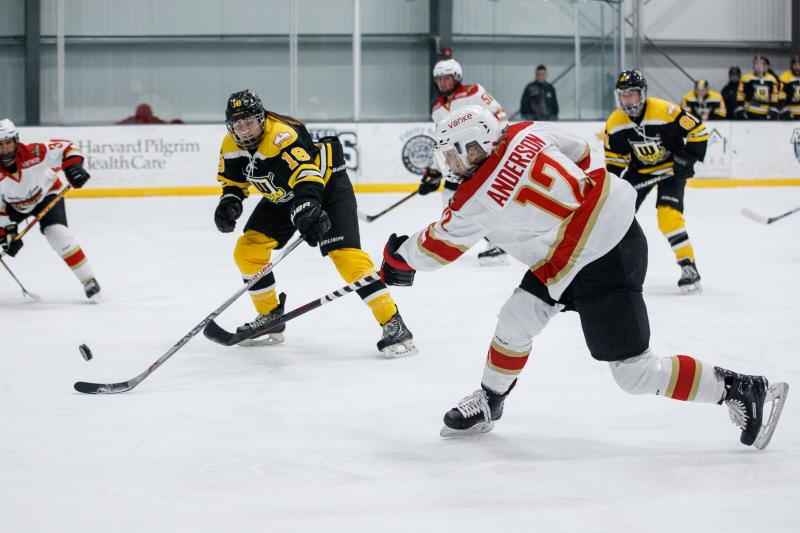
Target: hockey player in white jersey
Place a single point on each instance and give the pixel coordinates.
(28, 184)
(453, 95)
(527, 189)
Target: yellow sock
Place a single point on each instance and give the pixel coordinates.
(673, 226)
(252, 253)
(353, 264)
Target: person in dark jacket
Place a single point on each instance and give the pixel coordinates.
(539, 100)
(729, 91)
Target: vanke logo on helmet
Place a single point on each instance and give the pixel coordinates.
(459, 120)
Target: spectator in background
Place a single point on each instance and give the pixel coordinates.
(729, 91)
(144, 115)
(757, 96)
(539, 101)
(790, 91)
(704, 103)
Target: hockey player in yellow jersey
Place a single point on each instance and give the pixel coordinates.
(650, 142)
(303, 186)
(757, 97)
(790, 91)
(704, 103)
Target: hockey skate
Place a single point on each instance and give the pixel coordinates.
(690, 277)
(271, 337)
(92, 290)
(492, 256)
(746, 397)
(474, 414)
(397, 340)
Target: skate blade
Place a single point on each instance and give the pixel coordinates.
(267, 340)
(694, 288)
(776, 395)
(401, 349)
(498, 260)
(482, 427)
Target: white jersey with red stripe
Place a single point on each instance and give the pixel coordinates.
(532, 198)
(467, 94)
(36, 177)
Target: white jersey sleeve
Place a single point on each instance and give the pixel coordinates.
(442, 242)
(575, 148)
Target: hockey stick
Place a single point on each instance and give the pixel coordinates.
(652, 181)
(44, 211)
(214, 332)
(370, 218)
(25, 292)
(40, 215)
(752, 215)
(124, 386)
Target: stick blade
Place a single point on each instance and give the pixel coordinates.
(362, 216)
(215, 333)
(103, 388)
(752, 215)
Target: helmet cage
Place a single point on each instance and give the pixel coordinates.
(247, 131)
(632, 110)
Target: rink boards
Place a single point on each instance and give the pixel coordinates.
(382, 157)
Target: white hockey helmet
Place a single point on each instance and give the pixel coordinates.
(447, 67)
(465, 138)
(8, 130)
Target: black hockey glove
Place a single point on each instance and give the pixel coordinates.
(683, 164)
(395, 270)
(431, 178)
(8, 240)
(227, 212)
(76, 175)
(310, 220)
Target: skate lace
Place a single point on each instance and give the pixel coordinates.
(261, 320)
(474, 404)
(688, 271)
(737, 412)
(392, 328)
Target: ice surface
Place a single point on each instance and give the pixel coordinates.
(323, 434)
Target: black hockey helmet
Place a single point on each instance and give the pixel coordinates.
(244, 118)
(631, 80)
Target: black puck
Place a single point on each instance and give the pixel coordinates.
(86, 353)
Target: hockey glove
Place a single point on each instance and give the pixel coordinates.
(431, 178)
(310, 220)
(684, 164)
(76, 175)
(395, 270)
(8, 240)
(227, 212)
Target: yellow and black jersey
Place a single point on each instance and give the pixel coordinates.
(757, 96)
(712, 107)
(646, 144)
(285, 161)
(790, 95)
